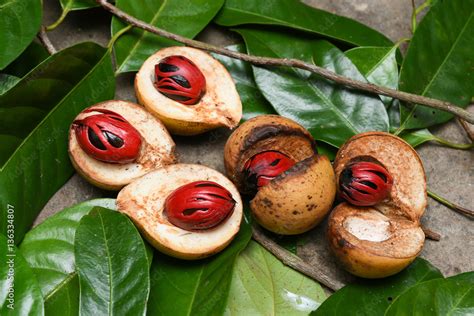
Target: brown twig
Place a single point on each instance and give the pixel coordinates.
(295, 262)
(468, 130)
(431, 234)
(266, 61)
(44, 39)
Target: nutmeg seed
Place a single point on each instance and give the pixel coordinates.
(264, 167)
(199, 205)
(108, 137)
(180, 79)
(365, 183)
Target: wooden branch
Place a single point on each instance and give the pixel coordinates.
(294, 261)
(266, 61)
(44, 39)
(431, 234)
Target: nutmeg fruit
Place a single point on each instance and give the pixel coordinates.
(189, 90)
(184, 210)
(115, 142)
(274, 159)
(379, 240)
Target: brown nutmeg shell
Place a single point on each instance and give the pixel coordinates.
(381, 240)
(263, 133)
(298, 199)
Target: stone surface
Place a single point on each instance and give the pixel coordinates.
(450, 172)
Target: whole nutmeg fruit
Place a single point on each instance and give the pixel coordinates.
(365, 183)
(189, 90)
(108, 137)
(186, 211)
(199, 205)
(180, 79)
(274, 160)
(377, 232)
(115, 142)
(264, 167)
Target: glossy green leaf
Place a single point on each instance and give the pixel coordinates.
(20, 20)
(195, 287)
(6, 82)
(70, 5)
(38, 111)
(372, 297)
(297, 15)
(186, 18)
(112, 265)
(253, 101)
(33, 55)
(464, 277)
(49, 250)
(330, 112)
(20, 293)
(378, 65)
(439, 63)
(435, 297)
(263, 285)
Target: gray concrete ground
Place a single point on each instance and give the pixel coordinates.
(450, 172)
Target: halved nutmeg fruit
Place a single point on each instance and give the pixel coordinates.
(186, 211)
(274, 160)
(376, 232)
(189, 90)
(115, 142)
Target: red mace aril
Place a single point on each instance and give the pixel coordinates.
(108, 137)
(199, 205)
(365, 183)
(264, 167)
(180, 79)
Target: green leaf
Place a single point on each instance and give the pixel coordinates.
(263, 285)
(70, 5)
(378, 65)
(195, 287)
(6, 82)
(33, 55)
(46, 101)
(374, 296)
(49, 250)
(330, 112)
(20, 20)
(186, 18)
(439, 63)
(464, 277)
(297, 15)
(112, 264)
(253, 101)
(20, 293)
(436, 297)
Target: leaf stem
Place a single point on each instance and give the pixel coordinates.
(114, 38)
(59, 20)
(44, 39)
(451, 144)
(451, 205)
(294, 261)
(266, 61)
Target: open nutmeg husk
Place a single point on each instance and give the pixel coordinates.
(189, 90)
(380, 239)
(274, 160)
(186, 211)
(115, 142)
